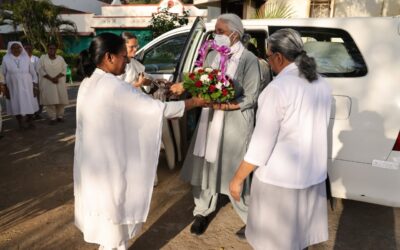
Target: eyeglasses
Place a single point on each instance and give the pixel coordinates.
(134, 47)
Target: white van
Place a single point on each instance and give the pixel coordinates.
(360, 57)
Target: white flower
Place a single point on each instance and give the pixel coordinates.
(219, 73)
(208, 70)
(219, 85)
(204, 78)
(197, 69)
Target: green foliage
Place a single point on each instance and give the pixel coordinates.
(205, 83)
(73, 62)
(2, 54)
(274, 9)
(39, 21)
(163, 21)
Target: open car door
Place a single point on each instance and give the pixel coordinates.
(167, 58)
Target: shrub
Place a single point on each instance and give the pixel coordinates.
(163, 21)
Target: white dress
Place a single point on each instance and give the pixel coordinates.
(288, 207)
(50, 93)
(116, 156)
(19, 75)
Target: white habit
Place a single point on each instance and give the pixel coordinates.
(117, 147)
(289, 145)
(19, 75)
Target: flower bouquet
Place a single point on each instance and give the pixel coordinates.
(210, 84)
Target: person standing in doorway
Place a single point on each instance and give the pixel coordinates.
(134, 72)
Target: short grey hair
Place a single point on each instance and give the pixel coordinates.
(234, 22)
(288, 42)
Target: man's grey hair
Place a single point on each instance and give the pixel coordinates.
(234, 22)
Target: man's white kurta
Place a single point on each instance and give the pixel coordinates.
(19, 75)
(50, 93)
(117, 146)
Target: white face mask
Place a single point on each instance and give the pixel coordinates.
(222, 40)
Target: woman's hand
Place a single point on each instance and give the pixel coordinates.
(235, 188)
(177, 88)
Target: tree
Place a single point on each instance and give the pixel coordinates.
(274, 9)
(163, 21)
(40, 22)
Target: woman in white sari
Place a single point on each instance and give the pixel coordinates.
(117, 146)
(20, 79)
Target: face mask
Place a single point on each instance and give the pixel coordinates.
(222, 40)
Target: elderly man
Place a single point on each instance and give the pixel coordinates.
(234, 130)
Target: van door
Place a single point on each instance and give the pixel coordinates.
(165, 60)
(187, 59)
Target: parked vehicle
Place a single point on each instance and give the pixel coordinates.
(360, 57)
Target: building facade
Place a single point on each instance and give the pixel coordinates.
(93, 17)
(305, 8)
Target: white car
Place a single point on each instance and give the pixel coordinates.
(360, 57)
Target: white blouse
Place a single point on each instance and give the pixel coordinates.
(289, 143)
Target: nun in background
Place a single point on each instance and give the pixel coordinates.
(20, 78)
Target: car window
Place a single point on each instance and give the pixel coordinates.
(164, 57)
(334, 51)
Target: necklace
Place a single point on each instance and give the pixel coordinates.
(16, 61)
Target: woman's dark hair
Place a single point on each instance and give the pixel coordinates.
(90, 58)
(128, 36)
(288, 42)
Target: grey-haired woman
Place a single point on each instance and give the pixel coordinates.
(288, 152)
